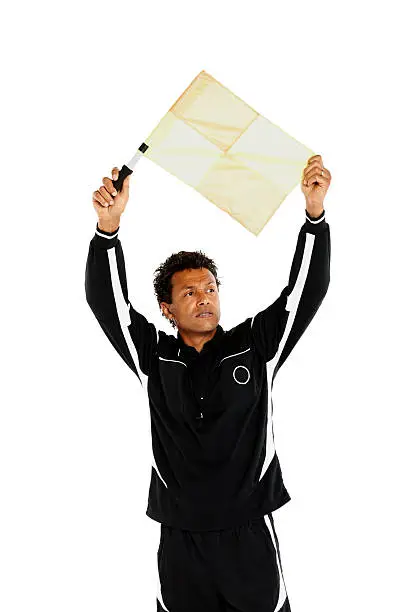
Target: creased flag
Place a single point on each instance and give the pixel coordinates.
(236, 158)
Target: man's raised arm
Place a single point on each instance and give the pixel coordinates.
(133, 337)
(277, 329)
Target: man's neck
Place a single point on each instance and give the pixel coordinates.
(197, 339)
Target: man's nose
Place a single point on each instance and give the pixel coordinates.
(204, 299)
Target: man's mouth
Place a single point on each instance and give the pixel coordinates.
(204, 315)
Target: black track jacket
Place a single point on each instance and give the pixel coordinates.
(214, 463)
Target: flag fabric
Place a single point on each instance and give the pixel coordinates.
(236, 158)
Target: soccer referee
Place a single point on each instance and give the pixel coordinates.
(215, 477)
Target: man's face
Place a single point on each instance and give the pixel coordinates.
(194, 292)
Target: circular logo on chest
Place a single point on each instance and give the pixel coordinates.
(241, 374)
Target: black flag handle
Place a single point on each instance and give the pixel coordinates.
(128, 168)
(124, 172)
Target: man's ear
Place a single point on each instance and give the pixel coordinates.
(165, 309)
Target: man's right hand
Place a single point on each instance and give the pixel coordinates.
(109, 214)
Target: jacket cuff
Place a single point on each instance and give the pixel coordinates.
(315, 225)
(105, 240)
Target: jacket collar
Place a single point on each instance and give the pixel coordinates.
(208, 346)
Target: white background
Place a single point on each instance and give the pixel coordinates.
(83, 84)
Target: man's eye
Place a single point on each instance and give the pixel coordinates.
(211, 289)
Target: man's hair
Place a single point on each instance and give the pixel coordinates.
(183, 260)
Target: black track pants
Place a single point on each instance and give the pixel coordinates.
(229, 570)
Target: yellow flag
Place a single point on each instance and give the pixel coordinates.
(236, 158)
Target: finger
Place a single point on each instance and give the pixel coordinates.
(115, 173)
(99, 198)
(109, 185)
(308, 171)
(316, 168)
(127, 181)
(96, 197)
(317, 178)
(105, 193)
(312, 165)
(315, 158)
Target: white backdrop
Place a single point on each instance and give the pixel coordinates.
(83, 84)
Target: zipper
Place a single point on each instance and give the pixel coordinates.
(217, 364)
(201, 416)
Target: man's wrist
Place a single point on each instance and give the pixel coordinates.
(108, 226)
(314, 211)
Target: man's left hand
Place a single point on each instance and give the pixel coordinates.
(315, 184)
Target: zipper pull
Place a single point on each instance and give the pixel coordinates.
(201, 414)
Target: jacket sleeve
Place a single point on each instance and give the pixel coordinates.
(133, 337)
(276, 330)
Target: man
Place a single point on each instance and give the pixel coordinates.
(215, 473)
